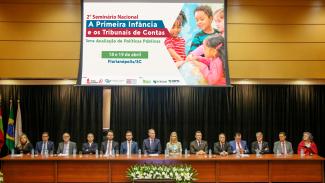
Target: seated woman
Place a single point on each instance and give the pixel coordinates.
(23, 146)
(173, 146)
(307, 145)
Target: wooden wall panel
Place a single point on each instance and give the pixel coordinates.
(276, 51)
(39, 50)
(275, 3)
(40, 31)
(277, 69)
(29, 12)
(276, 15)
(276, 33)
(237, 51)
(237, 32)
(34, 69)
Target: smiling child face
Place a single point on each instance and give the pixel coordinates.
(175, 30)
(203, 21)
(220, 22)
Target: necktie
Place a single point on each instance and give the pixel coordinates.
(282, 148)
(66, 149)
(222, 147)
(129, 148)
(109, 147)
(238, 145)
(43, 148)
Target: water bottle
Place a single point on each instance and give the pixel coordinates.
(185, 153)
(210, 153)
(180, 152)
(32, 153)
(257, 153)
(139, 153)
(237, 153)
(113, 152)
(145, 152)
(117, 153)
(302, 152)
(278, 153)
(74, 152)
(166, 153)
(12, 152)
(96, 153)
(46, 152)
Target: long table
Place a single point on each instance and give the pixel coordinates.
(89, 168)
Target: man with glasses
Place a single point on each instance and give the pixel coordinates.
(66, 147)
(129, 146)
(45, 146)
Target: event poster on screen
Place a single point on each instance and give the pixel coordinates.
(154, 44)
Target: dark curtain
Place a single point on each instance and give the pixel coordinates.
(241, 108)
(244, 108)
(56, 109)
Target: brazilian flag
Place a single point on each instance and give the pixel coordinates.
(10, 136)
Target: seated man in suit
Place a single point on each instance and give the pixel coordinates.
(90, 146)
(45, 146)
(260, 145)
(66, 147)
(238, 145)
(282, 146)
(222, 147)
(151, 145)
(198, 146)
(129, 146)
(109, 147)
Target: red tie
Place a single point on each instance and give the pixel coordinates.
(238, 145)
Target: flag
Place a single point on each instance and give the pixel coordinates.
(18, 128)
(10, 136)
(2, 134)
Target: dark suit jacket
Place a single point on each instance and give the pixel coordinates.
(115, 146)
(39, 144)
(265, 147)
(217, 149)
(72, 146)
(195, 148)
(155, 147)
(243, 144)
(124, 148)
(25, 150)
(89, 149)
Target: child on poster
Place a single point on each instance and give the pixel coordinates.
(218, 17)
(214, 52)
(204, 17)
(176, 44)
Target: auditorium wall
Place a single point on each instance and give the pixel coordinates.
(266, 39)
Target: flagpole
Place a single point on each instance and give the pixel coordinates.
(10, 135)
(18, 125)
